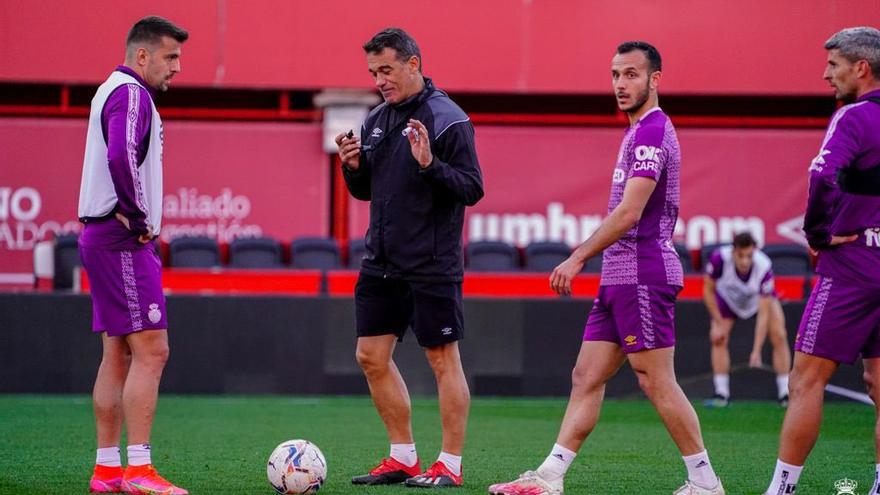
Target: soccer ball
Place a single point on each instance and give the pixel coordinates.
(296, 467)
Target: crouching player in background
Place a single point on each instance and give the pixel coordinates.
(738, 285)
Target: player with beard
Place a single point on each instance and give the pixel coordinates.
(633, 316)
(120, 206)
(841, 321)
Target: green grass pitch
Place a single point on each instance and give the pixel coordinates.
(219, 445)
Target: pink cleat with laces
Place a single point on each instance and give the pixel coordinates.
(145, 480)
(529, 483)
(106, 479)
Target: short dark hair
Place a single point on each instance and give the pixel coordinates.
(744, 240)
(397, 39)
(655, 63)
(152, 28)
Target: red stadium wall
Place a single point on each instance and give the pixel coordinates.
(742, 47)
(221, 179)
(553, 184)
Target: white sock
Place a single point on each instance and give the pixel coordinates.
(700, 470)
(139, 454)
(875, 488)
(782, 385)
(404, 453)
(108, 456)
(785, 478)
(557, 463)
(722, 384)
(452, 462)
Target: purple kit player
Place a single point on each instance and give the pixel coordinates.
(738, 285)
(842, 224)
(633, 316)
(120, 205)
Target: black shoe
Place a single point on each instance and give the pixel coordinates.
(783, 401)
(717, 401)
(388, 472)
(437, 476)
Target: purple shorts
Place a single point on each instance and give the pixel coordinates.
(841, 321)
(635, 317)
(126, 288)
(724, 309)
(728, 313)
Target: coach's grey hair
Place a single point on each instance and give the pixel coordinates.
(858, 43)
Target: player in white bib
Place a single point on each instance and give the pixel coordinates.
(739, 284)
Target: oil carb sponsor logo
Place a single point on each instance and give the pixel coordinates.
(646, 158)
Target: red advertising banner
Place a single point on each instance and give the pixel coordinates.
(542, 183)
(222, 180)
(553, 184)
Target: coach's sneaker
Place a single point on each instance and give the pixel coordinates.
(144, 480)
(690, 488)
(529, 483)
(390, 471)
(106, 479)
(783, 401)
(437, 476)
(717, 401)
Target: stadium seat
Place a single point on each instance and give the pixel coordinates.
(319, 253)
(66, 261)
(788, 259)
(193, 252)
(492, 256)
(685, 256)
(357, 248)
(44, 264)
(255, 252)
(545, 256)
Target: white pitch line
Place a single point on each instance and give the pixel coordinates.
(849, 394)
(837, 390)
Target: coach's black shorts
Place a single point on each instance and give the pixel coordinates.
(386, 306)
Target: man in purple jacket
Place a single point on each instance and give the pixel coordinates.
(120, 205)
(842, 224)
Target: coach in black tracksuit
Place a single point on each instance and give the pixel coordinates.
(416, 163)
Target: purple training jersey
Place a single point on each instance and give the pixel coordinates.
(125, 275)
(851, 142)
(738, 293)
(645, 255)
(715, 268)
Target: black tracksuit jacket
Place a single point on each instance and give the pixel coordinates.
(416, 216)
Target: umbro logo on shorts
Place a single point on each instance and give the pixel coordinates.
(446, 331)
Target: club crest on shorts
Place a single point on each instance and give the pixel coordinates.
(154, 314)
(846, 486)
